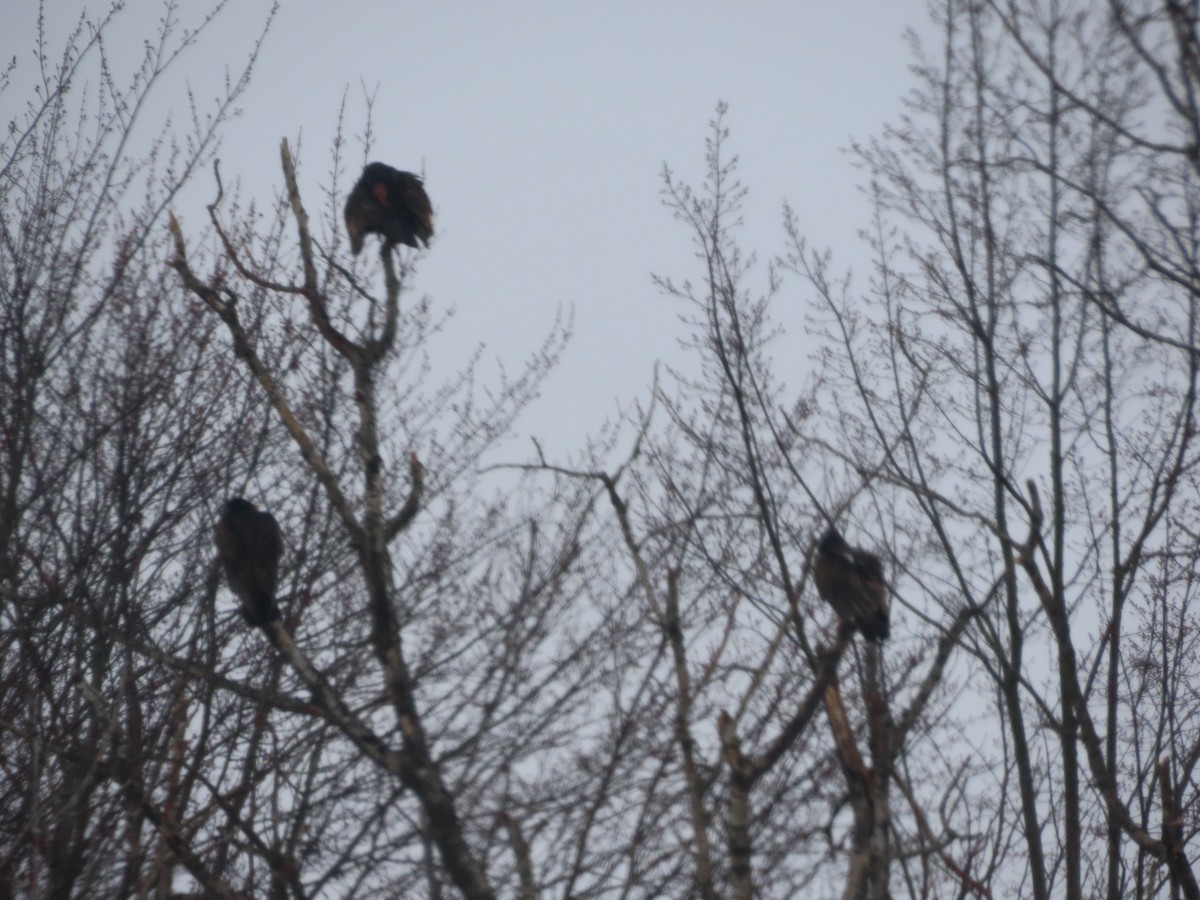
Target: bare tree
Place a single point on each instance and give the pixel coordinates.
(714, 514)
(1030, 333)
(118, 425)
(474, 607)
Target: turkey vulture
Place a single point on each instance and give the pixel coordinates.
(250, 545)
(389, 202)
(851, 581)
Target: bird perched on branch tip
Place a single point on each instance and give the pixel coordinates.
(391, 203)
(851, 581)
(250, 544)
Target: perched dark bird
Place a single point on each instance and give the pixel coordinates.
(389, 202)
(250, 545)
(851, 581)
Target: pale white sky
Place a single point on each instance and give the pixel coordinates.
(542, 128)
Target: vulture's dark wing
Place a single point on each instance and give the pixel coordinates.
(264, 546)
(410, 197)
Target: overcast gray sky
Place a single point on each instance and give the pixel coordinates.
(542, 128)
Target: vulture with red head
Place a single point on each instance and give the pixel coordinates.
(390, 203)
